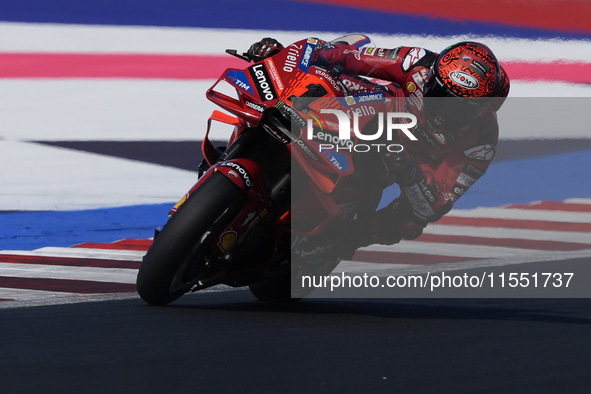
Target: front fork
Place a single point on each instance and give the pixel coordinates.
(258, 165)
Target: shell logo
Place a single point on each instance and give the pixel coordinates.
(227, 239)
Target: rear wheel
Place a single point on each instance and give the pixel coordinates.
(289, 287)
(177, 261)
(277, 289)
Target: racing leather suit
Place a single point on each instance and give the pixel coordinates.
(440, 167)
(443, 166)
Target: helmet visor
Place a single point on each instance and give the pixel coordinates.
(445, 111)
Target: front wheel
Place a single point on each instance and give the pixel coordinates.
(177, 257)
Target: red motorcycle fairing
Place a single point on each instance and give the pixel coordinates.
(210, 153)
(246, 226)
(272, 83)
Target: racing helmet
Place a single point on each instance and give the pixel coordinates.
(461, 85)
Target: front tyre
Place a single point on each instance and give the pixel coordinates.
(176, 258)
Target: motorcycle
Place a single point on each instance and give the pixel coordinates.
(279, 200)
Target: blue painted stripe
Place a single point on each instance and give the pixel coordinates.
(253, 14)
(553, 178)
(32, 230)
(556, 178)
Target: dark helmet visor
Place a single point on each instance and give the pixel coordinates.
(445, 111)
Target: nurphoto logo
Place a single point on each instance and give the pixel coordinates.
(393, 121)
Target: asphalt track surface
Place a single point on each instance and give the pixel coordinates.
(226, 341)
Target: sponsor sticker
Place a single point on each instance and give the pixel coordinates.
(290, 113)
(464, 79)
(337, 159)
(419, 80)
(274, 74)
(465, 179)
(239, 79)
(293, 54)
(428, 192)
(306, 58)
(362, 98)
(227, 239)
(470, 169)
(428, 137)
(328, 78)
(349, 100)
(241, 171)
(393, 54)
(263, 82)
(458, 190)
(283, 138)
(370, 97)
(306, 150)
(255, 106)
(382, 52)
(326, 136)
(418, 201)
(416, 100)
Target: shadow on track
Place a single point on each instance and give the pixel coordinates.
(532, 310)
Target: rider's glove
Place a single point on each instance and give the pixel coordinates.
(395, 222)
(404, 167)
(265, 48)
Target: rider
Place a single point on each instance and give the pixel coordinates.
(457, 136)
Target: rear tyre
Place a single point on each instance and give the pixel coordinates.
(276, 289)
(289, 287)
(177, 255)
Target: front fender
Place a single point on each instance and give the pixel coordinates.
(244, 173)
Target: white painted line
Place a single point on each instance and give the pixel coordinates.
(452, 250)
(105, 109)
(522, 214)
(30, 37)
(110, 275)
(26, 294)
(493, 232)
(125, 255)
(406, 269)
(54, 179)
(578, 201)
